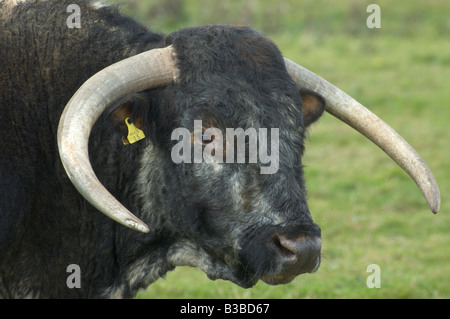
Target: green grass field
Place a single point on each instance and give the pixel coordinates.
(369, 210)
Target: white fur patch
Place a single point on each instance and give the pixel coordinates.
(12, 2)
(99, 4)
(7, 5)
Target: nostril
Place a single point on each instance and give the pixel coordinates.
(302, 246)
(290, 252)
(282, 246)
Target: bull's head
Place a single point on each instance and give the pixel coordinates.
(236, 223)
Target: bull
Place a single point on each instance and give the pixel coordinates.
(68, 100)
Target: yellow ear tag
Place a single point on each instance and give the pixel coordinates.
(134, 134)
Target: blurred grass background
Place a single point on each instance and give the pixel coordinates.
(369, 210)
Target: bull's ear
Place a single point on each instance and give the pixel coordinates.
(313, 106)
(130, 107)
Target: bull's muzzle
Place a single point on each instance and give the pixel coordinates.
(294, 255)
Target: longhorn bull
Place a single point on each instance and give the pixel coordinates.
(68, 96)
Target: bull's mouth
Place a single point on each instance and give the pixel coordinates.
(277, 279)
(247, 279)
(282, 279)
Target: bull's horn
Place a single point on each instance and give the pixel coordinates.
(345, 108)
(141, 72)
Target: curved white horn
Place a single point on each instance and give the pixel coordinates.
(347, 109)
(141, 72)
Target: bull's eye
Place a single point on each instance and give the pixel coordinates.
(202, 138)
(206, 139)
(211, 140)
